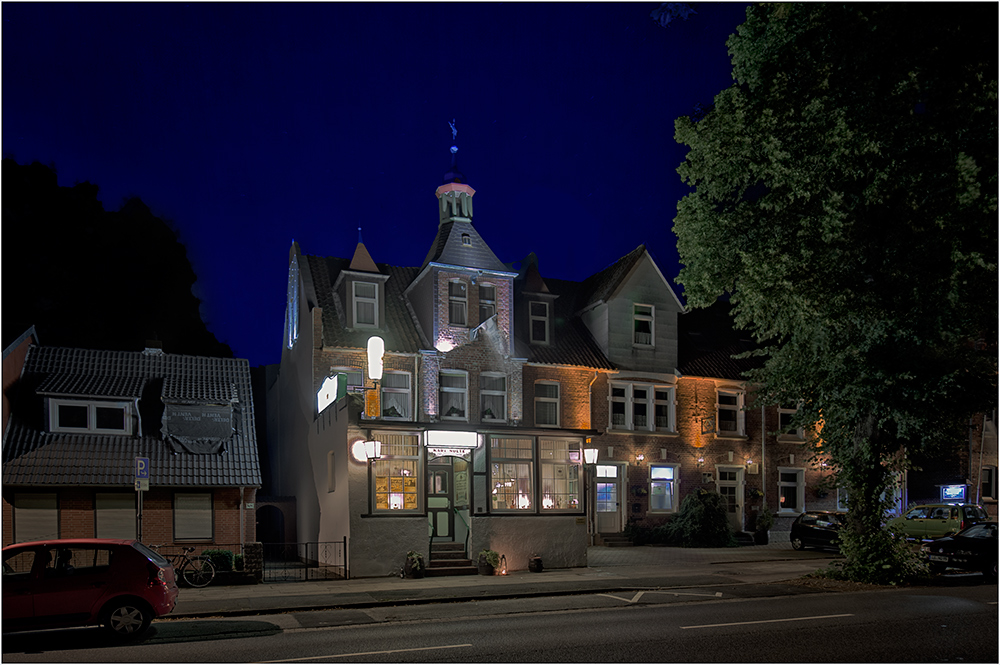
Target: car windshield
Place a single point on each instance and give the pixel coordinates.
(150, 554)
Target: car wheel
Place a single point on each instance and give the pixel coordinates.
(127, 619)
(797, 543)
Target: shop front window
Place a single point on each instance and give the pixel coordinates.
(512, 474)
(395, 477)
(560, 465)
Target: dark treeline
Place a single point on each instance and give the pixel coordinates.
(90, 278)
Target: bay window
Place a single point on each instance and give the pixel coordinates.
(642, 406)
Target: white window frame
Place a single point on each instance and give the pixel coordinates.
(671, 404)
(449, 389)
(407, 391)
(513, 470)
(629, 401)
(357, 299)
(650, 317)
(392, 461)
(184, 508)
(565, 472)
(92, 406)
(800, 489)
(798, 434)
(740, 414)
(483, 392)
(673, 483)
(458, 300)
(532, 317)
(548, 400)
(487, 302)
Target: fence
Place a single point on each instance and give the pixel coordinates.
(274, 562)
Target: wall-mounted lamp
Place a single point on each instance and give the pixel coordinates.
(373, 450)
(701, 460)
(640, 457)
(749, 462)
(590, 455)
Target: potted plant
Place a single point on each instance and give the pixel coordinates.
(413, 567)
(764, 522)
(488, 562)
(535, 563)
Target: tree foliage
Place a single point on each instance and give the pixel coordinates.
(93, 279)
(845, 198)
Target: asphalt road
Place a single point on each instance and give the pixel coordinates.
(723, 623)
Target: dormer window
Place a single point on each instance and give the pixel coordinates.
(642, 325)
(466, 240)
(538, 320)
(365, 305)
(457, 303)
(487, 301)
(78, 416)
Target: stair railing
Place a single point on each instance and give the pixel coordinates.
(468, 531)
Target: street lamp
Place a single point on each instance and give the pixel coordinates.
(590, 458)
(590, 455)
(376, 349)
(373, 450)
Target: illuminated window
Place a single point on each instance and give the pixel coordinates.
(493, 396)
(487, 301)
(560, 463)
(538, 320)
(512, 474)
(791, 490)
(365, 305)
(663, 488)
(454, 395)
(547, 404)
(90, 417)
(457, 303)
(395, 395)
(730, 413)
(396, 475)
(642, 325)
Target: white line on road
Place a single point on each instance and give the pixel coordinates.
(366, 653)
(747, 623)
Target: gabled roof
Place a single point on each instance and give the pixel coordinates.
(601, 285)
(362, 260)
(399, 332)
(708, 341)
(448, 248)
(31, 456)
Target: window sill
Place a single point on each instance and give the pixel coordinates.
(556, 426)
(643, 346)
(643, 432)
(790, 438)
(730, 437)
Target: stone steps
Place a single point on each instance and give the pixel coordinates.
(449, 559)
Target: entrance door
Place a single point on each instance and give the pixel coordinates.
(439, 499)
(731, 488)
(608, 503)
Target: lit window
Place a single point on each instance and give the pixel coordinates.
(633, 403)
(90, 417)
(538, 320)
(662, 488)
(457, 303)
(547, 404)
(493, 396)
(396, 474)
(730, 412)
(454, 395)
(487, 301)
(193, 516)
(512, 474)
(365, 305)
(560, 463)
(396, 395)
(791, 490)
(642, 325)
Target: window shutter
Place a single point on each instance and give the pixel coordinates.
(114, 515)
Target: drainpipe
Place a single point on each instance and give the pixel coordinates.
(763, 466)
(591, 504)
(590, 400)
(241, 521)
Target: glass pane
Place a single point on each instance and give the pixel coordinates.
(110, 417)
(395, 405)
(643, 310)
(494, 407)
(395, 380)
(354, 379)
(539, 309)
(72, 416)
(639, 394)
(618, 391)
(662, 472)
(607, 471)
(606, 502)
(727, 420)
(788, 477)
(663, 416)
(456, 289)
(729, 400)
(560, 485)
(365, 290)
(453, 381)
(550, 390)
(546, 413)
(512, 486)
(456, 313)
(639, 414)
(661, 495)
(498, 383)
(618, 414)
(487, 293)
(486, 311)
(452, 405)
(511, 448)
(789, 500)
(538, 330)
(365, 312)
(663, 395)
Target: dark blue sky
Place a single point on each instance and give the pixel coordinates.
(246, 126)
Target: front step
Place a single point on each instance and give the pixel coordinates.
(448, 559)
(615, 540)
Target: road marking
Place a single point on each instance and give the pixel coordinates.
(366, 653)
(637, 596)
(747, 623)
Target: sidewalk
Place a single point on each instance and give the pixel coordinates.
(609, 569)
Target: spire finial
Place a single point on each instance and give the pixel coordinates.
(360, 241)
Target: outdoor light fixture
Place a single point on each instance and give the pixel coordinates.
(376, 349)
(373, 450)
(701, 460)
(749, 462)
(590, 455)
(640, 457)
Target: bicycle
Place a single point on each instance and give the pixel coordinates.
(197, 572)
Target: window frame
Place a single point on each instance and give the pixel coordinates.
(484, 392)
(532, 318)
(460, 300)
(674, 484)
(988, 486)
(178, 537)
(387, 458)
(408, 391)
(548, 400)
(738, 408)
(798, 434)
(651, 401)
(356, 299)
(487, 302)
(650, 317)
(496, 468)
(92, 405)
(570, 465)
(800, 489)
(450, 389)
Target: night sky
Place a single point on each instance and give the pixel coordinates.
(247, 126)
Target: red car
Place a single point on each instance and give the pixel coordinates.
(119, 584)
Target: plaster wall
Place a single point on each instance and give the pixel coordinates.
(561, 540)
(644, 286)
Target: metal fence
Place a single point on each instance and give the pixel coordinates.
(300, 562)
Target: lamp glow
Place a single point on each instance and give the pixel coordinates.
(590, 455)
(373, 450)
(376, 349)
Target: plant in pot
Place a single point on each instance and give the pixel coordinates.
(765, 520)
(488, 562)
(535, 563)
(413, 567)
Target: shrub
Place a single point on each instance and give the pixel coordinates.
(238, 562)
(702, 521)
(221, 559)
(491, 557)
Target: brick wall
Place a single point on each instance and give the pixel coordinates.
(574, 394)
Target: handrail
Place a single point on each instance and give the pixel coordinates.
(468, 530)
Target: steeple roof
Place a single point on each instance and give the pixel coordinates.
(459, 244)
(362, 261)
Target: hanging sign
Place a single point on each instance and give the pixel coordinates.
(371, 404)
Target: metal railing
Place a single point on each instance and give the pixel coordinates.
(300, 562)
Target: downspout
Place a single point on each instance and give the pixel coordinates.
(763, 458)
(590, 400)
(591, 497)
(242, 538)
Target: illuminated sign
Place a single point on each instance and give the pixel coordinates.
(953, 493)
(371, 404)
(437, 451)
(452, 439)
(333, 387)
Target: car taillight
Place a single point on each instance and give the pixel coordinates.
(961, 525)
(156, 574)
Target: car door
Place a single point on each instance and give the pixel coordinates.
(939, 521)
(827, 529)
(18, 605)
(72, 583)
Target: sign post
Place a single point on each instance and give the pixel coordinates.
(141, 485)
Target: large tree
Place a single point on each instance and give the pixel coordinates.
(845, 198)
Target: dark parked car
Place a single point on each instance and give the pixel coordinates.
(817, 528)
(119, 584)
(972, 549)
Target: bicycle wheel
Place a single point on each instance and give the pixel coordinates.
(199, 572)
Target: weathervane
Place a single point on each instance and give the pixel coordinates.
(454, 133)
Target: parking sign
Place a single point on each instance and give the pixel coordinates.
(142, 468)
